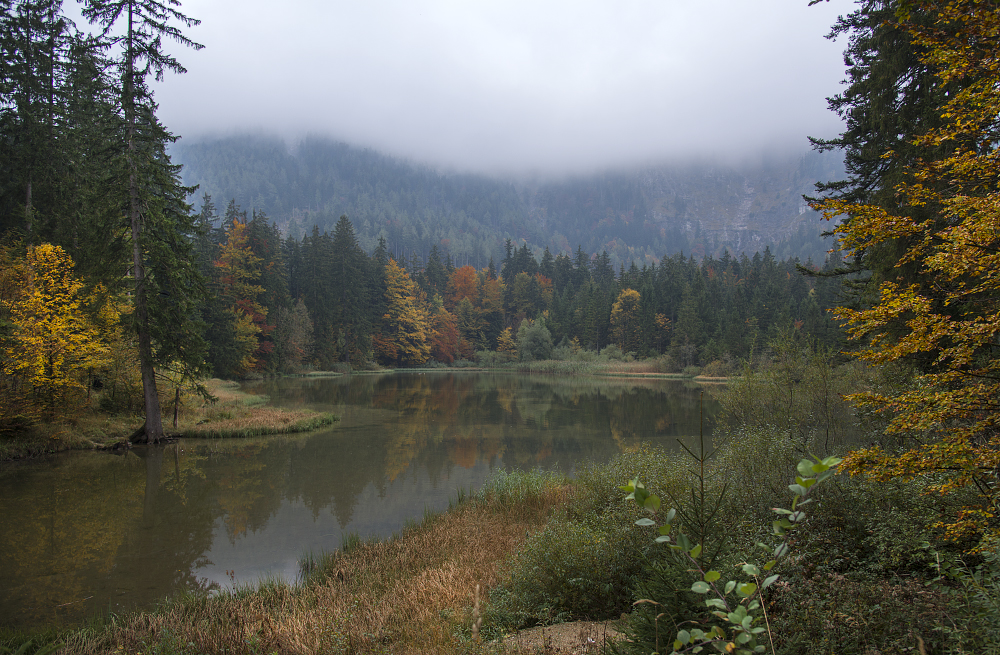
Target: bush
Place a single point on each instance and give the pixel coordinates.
(972, 624)
(715, 369)
(667, 364)
(534, 341)
(612, 353)
(570, 570)
(691, 371)
(584, 563)
(491, 359)
(833, 613)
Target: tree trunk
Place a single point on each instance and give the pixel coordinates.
(151, 401)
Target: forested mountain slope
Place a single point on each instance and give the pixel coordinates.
(635, 215)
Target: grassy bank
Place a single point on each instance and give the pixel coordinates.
(544, 550)
(234, 413)
(410, 594)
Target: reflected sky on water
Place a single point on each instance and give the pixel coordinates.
(86, 532)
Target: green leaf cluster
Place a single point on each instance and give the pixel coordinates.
(736, 604)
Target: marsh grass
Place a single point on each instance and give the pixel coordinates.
(232, 414)
(645, 368)
(412, 593)
(256, 422)
(87, 432)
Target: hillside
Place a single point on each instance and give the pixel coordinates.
(636, 215)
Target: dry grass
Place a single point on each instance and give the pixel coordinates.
(87, 432)
(255, 422)
(410, 594)
(233, 414)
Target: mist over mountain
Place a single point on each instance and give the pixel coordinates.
(640, 214)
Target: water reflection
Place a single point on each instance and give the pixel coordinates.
(88, 532)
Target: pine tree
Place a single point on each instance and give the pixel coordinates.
(139, 42)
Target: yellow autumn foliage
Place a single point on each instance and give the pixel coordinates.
(54, 344)
(947, 316)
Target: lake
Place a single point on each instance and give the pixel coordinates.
(90, 532)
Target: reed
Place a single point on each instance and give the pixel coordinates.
(413, 593)
(257, 422)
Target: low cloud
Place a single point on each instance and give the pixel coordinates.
(514, 86)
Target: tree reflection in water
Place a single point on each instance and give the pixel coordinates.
(83, 532)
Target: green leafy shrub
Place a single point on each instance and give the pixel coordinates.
(584, 563)
(715, 369)
(569, 570)
(534, 341)
(733, 622)
(971, 622)
(834, 614)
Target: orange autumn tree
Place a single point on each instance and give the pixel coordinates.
(54, 345)
(238, 267)
(444, 339)
(946, 224)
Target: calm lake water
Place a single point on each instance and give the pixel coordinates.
(87, 532)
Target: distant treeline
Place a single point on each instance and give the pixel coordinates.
(281, 304)
(639, 215)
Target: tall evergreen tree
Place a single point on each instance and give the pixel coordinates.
(152, 180)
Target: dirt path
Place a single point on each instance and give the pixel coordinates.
(576, 638)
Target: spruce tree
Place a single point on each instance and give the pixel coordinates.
(136, 29)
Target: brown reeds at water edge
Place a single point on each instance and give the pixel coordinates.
(258, 422)
(237, 414)
(409, 594)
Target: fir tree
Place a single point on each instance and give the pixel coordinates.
(150, 174)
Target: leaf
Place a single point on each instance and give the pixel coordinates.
(696, 551)
(684, 637)
(798, 489)
(652, 503)
(712, 576)
(700, 587)
(805, 468)
(750, 569)
(730, 586)
(645, 522)
(768, 581)
(770, 565)
(746, 589)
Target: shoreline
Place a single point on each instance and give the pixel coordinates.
(235, 414)
(413, 591)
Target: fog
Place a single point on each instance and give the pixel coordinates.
(513, 86)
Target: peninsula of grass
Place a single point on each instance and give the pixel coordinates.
(237, 414)
(232, 414)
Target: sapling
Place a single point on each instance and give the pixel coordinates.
(737, 604)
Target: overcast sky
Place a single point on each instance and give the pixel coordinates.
(512, 85)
